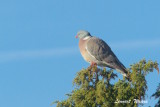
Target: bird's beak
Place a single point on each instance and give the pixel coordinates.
(76, 36)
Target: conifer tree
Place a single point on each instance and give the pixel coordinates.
(94, 87)
(157, 96)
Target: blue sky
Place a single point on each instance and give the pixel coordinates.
(39, 55)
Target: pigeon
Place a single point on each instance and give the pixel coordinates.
(97, 52)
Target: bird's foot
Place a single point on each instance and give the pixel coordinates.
(93, 64)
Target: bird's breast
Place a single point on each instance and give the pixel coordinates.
(84, 52)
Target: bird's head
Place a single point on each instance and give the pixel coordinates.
(82, 34)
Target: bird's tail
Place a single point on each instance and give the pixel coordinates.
(125, 73)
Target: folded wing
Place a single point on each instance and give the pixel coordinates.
(102, 52)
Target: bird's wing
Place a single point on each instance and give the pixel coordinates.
(102, 52)
(98, 48)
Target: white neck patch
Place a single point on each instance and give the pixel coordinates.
(86, 38)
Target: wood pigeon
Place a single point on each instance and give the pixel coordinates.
(97, 52)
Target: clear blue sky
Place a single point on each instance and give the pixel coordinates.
(39, 54)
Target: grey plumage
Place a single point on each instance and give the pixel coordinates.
(96, 50)
(103, 53)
